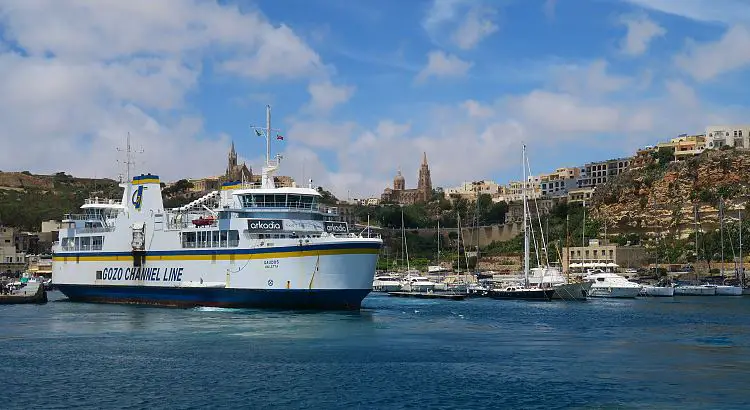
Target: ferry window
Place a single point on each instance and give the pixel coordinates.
(307, 201)
(268, 201)
(234, 238)
(215, 239)
(78, 244)
(223, 239)
(188, 239)
(85, 243)
(96, 243)
(202, 239)
(280, 200)
(293, 201)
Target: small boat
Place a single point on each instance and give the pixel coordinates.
(31, 292)
(386, 283)
(417, 284)
(204, 221)
(612, 285)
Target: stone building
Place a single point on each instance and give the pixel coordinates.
(235, 171)
(600, 253)
(400, 195)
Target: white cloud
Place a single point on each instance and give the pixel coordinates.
(464, 22)
(549, 8)
(565, 113)
(98, 70)
(709, 60)
(592, 78)
(682, 93)
(725, 11)
(440, 64)
(476, 25)
(641, 31)
(321, 134)
(476, 110)
(324, 96)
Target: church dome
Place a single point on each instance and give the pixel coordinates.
(398, 181)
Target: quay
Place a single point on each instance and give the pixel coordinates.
(428, 295)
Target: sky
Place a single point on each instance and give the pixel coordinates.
(360, 89)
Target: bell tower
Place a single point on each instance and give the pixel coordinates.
(424, 186)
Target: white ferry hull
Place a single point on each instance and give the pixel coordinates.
(325, 276)
(613, 292)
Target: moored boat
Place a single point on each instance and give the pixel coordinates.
(728, 290)
(612, 285)
(657, 291)
(694, 290)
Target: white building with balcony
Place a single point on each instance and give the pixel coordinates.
(718, 136)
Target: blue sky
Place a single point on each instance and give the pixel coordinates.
(362, 88)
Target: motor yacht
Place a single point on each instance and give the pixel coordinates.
(386, 283)
(611, 285)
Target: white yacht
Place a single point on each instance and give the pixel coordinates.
(415, 283)
(611, 285)
(386, 283)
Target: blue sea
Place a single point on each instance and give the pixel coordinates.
(395, 353)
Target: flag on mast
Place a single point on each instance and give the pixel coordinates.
(279, 137)
(258, 133)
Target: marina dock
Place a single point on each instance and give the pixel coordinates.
(428, 295)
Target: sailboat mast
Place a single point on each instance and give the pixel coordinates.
(721, 230)
(458, 242)
(525, 223)
(695, 224)
(742, 265)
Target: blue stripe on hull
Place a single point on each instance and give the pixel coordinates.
(322, 299)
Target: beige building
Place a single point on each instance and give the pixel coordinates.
(11, 261)
(596, 173)
(718, 136)
(685, 146)
(472, 189)
(600, 253)
(580, 195)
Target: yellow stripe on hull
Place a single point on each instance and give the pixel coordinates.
(219, 257)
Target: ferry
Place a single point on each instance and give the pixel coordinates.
(244, 245)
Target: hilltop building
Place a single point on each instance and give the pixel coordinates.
(718, 136)
(235, 172)
(399, 194)
(472, 190)
(597, 173)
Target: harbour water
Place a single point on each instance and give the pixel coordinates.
(683, 352)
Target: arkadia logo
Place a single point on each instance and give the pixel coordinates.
(336, 227)
(265, 224)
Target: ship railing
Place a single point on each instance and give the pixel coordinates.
(83, 217)
(332, 210)
(100, 201)
(96, 229)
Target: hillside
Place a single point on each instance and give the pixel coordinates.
(26, 200)
(660, 197)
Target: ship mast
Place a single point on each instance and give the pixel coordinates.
(271, 166)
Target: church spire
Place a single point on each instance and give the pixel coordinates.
(424, 158)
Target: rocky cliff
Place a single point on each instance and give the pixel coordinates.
(656, 197)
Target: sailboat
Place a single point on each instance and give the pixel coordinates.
(413, 281)
(525, 291)
(728, 290)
